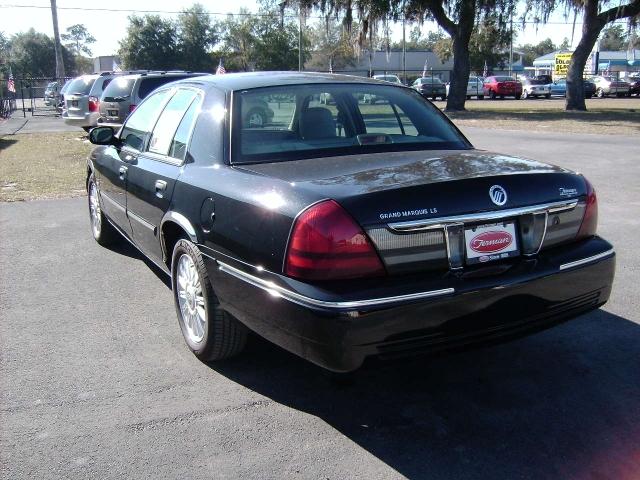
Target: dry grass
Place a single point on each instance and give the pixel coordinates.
(609, 116)
(44, 165)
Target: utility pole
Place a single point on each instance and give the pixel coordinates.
(58, 46)
(511, 44)
(404, 46)
(300, 38)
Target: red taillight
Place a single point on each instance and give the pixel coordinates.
(590, 218)
(94, 104)
(132, 108)
(327, 244)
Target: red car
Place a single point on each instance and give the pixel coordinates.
(499, 86)
(634, 83)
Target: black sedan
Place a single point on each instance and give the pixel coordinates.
(345, 230)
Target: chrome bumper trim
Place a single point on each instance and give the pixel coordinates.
(431, 223)
(280, 292)
(593, 258)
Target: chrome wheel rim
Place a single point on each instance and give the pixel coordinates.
(94, 210)
(190, 298)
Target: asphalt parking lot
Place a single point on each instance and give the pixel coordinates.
(95, 380)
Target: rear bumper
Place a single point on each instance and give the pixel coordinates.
(339, 330)
(88, 120)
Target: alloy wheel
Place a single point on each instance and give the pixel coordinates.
(94, 210)
(191, 298)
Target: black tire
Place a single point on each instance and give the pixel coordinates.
(444, 97)
(547, 96)
(468, 97)
(433, 97)
(103, 232)
(492, 95)
(480, 97)
(518, 97)
(588, 95)
(87, 129)
(223, 335)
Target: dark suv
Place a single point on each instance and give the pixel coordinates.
(122, 96)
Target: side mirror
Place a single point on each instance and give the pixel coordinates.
(102, 136)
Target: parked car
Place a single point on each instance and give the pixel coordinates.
(82, 99)
(610, 86)
(371, 98)
(501, 86)
(559, 88)
(634, 86)
(431, 87)
(474, 88)
(124, 93)
(60, 99)
(384, 235)
(52, 93)
(532, 88)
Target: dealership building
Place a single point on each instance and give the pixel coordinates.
(619, 64)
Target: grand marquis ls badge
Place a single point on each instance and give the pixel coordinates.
(498, 195)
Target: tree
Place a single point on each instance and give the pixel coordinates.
(458, 18)
(531, 52)
(333, 44)
(196, 36)
(78, 39)
(151, 43)
(32, 54)
(57, 44)
(613, 38)
(595, 16)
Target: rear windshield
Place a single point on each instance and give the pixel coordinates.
(148, 85)
(392, 79)
(533, 81)
(432, 80)
(304, 121)
(119, 89)
(504, 79)
(81, 86)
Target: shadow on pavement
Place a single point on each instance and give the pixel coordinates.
(6, 142)
(123, 247)
(564, 403)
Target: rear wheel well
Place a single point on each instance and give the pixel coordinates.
(171, 233)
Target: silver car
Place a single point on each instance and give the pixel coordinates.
(82, 100)
(610, 86)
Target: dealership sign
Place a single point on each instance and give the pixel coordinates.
(562, 61)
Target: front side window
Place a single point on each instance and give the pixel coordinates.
(141, 121)
(169, 120)
(304, 121)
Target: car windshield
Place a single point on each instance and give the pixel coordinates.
(533, 81)
(388, 78)
(81, 85)
(435, 81)
(118, 89)
(304, 121)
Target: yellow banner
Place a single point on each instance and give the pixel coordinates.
(562, 61)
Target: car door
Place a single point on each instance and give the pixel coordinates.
(113, 164)
(152, 177)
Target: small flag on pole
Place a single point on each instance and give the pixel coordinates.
(220, 70)
(11, 84)
(485, 72)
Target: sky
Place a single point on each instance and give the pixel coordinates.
(109, 27)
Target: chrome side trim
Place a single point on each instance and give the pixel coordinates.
(280, 292)
(431, 223)
(111, 201)
(593, 258)
(141, 221)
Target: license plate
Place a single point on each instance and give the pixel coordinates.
(112, 113)
(74, 103)
(487, 243)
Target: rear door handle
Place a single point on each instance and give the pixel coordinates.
(161, 186)
(123, 172)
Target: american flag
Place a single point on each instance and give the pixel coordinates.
(220, 70)
(485, 72)
(11, 85)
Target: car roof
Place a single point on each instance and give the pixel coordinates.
(152, 74)
(248, 80)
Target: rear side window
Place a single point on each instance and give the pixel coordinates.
(149, 84)
(81, 86)
(118, 89)
(179, 144)
(142, 120)
(168, 122)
